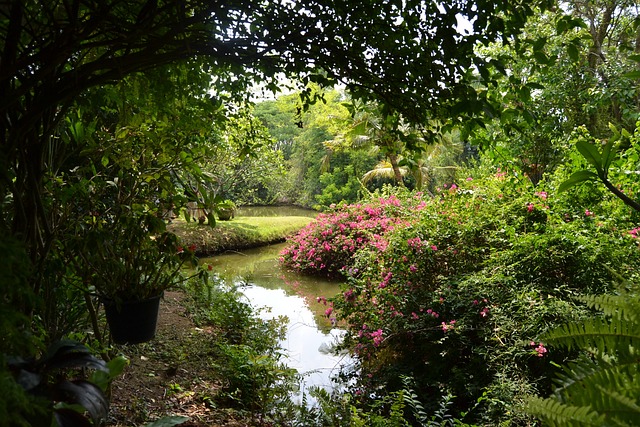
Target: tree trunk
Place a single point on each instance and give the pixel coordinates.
(393, 159)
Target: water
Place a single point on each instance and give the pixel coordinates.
(310, 334)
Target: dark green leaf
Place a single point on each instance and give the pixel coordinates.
(573, 52)
(591, 154)
(577, 178)
(67, 417)
(70, 354)
(88, 395)
(541, 57)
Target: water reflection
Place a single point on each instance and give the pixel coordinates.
(307, 347)
(310, 334)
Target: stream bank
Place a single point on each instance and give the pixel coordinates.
(252, 227)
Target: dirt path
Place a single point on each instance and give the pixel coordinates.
(169, 375)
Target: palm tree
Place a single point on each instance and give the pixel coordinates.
(388, 135)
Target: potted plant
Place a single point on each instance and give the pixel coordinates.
(225, 209)
(128, 264)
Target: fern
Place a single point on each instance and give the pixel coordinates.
(560, 414)
(615, 337)
(612, 305)
(602, 387)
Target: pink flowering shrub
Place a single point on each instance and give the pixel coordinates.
(327, 245)
(463, 287)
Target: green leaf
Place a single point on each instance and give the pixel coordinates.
(115, 368)
(541, 57)
(577, 178)
(573, 52)
(591, 154)
(632, 74)
(608, 154)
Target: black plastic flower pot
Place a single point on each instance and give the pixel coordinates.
(132, 322)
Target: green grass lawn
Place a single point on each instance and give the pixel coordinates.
(240, 233)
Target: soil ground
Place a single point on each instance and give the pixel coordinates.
(169, 376)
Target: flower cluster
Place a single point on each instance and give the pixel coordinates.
(327, 245)
(539, 349)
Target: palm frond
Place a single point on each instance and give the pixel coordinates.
(382, 170)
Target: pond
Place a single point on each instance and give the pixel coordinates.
(310, 334)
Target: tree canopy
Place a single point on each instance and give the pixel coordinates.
(408, 55)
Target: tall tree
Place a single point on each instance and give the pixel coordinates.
(575, 67)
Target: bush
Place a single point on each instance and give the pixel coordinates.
(454, 291)
(328, 244)
(249, 362)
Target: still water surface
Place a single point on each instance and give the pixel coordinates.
(309, 333)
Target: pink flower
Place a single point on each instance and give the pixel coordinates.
(377, 337)
(587, 212)
(530, 207)
(328, 311)
(413, 268)
(540, 350)
(434, 247)
(542, 195)
(484, 312)
(469, 179)
(447, 327)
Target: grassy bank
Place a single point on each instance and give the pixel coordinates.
(240, 233)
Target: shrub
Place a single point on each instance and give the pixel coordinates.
(455, 290)
(327, 245)
(249, 361)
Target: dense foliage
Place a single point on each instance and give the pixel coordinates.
(454, 290)
(116, 114)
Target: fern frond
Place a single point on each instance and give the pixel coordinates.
(624, 409)
(618, 338)
(571, 383)
(603, 388)
(562, 415)
(622, 307)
